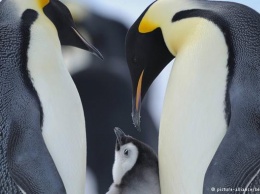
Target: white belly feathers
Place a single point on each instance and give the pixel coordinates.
(63, 118)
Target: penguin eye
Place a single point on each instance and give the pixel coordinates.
(134, 59)
(126, 152)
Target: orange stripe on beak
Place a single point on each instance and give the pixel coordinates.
(138, 91)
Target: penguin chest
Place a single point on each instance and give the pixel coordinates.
(63, 122)
(63, 118)
(193, 119)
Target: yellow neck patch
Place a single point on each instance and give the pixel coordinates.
(147, 26)
(43, 3)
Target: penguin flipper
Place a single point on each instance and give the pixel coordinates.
(30, 163)
(255, 183)
(236, 164)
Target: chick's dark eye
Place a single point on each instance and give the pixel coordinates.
(126, 152)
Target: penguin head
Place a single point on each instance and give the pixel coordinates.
(126, 155)
(62, 19)
(147, 55)
(131, 154)
(155, 39)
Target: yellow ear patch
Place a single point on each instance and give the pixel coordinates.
(147, 26)
(43, 3)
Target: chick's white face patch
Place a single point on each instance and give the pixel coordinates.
(125, 159)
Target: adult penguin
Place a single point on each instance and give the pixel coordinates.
(209, 134)
(42, 130)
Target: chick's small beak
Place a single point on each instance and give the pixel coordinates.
(119, 134)
(136, 104)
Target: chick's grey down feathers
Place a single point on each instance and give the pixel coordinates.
(143, 177)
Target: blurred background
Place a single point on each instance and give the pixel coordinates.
(105, 86)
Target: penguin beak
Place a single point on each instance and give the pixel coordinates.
(62, 19)
(136, 104)
(119, 135)
(77, 40)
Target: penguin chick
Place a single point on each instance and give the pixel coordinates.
(135, 170)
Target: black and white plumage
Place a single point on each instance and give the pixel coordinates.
(135, 169)
(209, 133)
(42, 129)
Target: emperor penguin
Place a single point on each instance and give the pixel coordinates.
(135, 170)
(209, 135)
(42, 129)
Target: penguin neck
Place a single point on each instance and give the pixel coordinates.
(36, 5)
(161, 13)
(193, 119)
